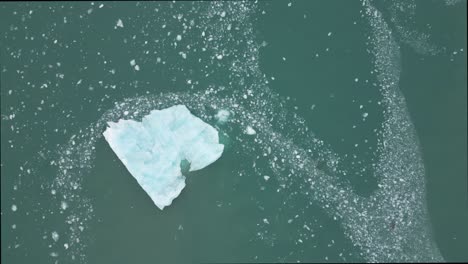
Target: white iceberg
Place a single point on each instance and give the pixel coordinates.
(153, 149)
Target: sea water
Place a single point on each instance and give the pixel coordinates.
(321, 158)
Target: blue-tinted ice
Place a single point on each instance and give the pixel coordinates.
(153, 149)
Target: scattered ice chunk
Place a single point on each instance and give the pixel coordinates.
(64, 205)
(179, 38)
(265, 221)
(65, 245)
(132, 63)
(266, 177)
(125, 112)
(120, 23)
(219, 56)
(222, 116)
(223, 14)
(250, 131)
(137, 68)
(55, 236)
(153, 149)
(14, 208)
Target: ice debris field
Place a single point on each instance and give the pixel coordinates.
(152, 150)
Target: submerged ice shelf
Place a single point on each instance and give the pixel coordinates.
(152, 150)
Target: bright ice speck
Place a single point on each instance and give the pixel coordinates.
(120, 23)
(63, 205)
(250, 131)
(55, 236)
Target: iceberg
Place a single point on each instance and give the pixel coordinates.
(152, 150)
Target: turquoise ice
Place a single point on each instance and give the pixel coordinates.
(152, 150)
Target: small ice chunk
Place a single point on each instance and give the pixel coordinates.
(329, 33)
(222, 116)
(120, 23)
(179, 38)
(356, 80)
(219, 56)
(265, 221)
(137, 68)
(64, 205)
(152, 150)
(250, 131)
(65, 245)
(55, 236)
(132, 63)
(266, 177)
(14, 208)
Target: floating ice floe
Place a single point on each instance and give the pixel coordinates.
(152, 150)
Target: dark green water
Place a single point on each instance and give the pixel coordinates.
(314, 79)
